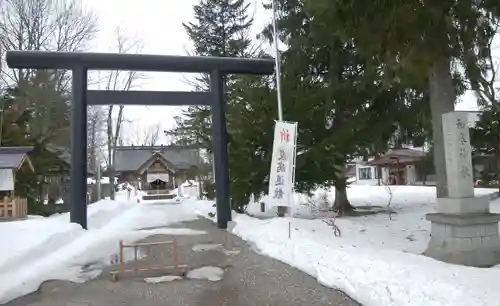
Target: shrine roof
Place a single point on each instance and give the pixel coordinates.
(13, 157)
(398, 157)
(131, 158)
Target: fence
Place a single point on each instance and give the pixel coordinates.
(148, 260)
(13, 208)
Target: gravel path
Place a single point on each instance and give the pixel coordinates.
(249, 280)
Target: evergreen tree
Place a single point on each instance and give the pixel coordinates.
(251, 113)
(21, 125)
(485, 141)
(419, 41)
(344, 103)
(14, 120)
(222, 29)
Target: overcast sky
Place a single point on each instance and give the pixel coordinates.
(158, 24)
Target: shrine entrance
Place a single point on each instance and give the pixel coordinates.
(157, 185)
(80, 63)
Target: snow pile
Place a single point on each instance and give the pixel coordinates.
(162, 279)
(372, 276)
(104, 180)
(52, 248)
(172, 231)
(376, 260)
(190, 183)
(210, 273)
(396, 197)
(186, 191)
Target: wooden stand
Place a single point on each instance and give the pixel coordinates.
(149, 266)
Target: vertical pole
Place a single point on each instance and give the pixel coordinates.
(1, 122)
(98, 165)
(292, 185)
(121, 260)
(219, 139)
(277, 61)
(136, 257)
(281, 209)
(78, 197)
(213, 165)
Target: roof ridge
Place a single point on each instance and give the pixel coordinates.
(154, 147)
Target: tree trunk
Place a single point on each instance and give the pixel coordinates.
(112, 174)
(442, 99)
(110, 170)
(342, 204)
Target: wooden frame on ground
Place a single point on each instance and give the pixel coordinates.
(176, 267)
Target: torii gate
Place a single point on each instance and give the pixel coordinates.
(79, 63)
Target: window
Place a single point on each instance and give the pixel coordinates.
(365, 173)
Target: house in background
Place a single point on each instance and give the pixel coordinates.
(157, 168)
(405, 165)
(13, 160)
(400, 167)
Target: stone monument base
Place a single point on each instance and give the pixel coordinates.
(467, 239)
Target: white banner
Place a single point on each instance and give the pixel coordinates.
(281, 177)
(151, 177)
(6, 179)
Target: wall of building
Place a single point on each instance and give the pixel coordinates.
(367, 175)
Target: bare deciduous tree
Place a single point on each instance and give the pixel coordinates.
(118, 80)
(487, 87)
(45, 25)
(138, 135)
(96, 129)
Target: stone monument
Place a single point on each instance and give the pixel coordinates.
(463, 231)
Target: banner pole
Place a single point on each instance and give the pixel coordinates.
(292, 185)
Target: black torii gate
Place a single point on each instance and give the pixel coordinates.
(80, 63)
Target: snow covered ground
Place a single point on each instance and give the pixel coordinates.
(376, 260)
(406, 229)
(39, 249)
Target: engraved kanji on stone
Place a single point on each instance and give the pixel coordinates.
(460, 124)
(463, 141)
(465, 171)
(278, 193)
(463, 152)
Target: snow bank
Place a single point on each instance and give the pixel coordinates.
(372, 261)
(53, 248)
(396, 197)
(374, 277)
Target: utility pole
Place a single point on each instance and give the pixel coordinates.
(277, 61)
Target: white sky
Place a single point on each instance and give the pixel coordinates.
(158, 24)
